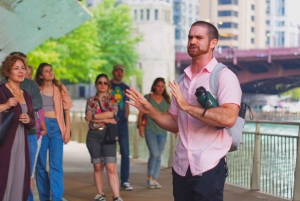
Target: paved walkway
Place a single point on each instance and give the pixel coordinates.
(79, 183)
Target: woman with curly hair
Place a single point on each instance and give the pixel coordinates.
(14, 151)
(56, 104)
(100, 110)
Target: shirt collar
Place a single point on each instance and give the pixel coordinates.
(209, 67)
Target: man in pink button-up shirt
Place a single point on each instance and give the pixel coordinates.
(199, 167)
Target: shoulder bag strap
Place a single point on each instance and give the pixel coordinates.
(214, 79)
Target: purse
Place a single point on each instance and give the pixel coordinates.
(111, 134)
(6, 118)
(111, 131)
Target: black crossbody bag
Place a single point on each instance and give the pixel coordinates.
(6, 118)
(111, 131)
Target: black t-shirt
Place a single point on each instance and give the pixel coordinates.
(119, 91)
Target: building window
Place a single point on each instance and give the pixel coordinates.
(190, 8)
(252, 7)
(156, 14)
(228, 25)
(177, 7)
(252, 29)
(252, 18)
(280, 23)
(148, 14)
(252, 40)
(228, 37)
(177, 34)
(142, 14)
(176, 20)
(227, 13)
(222, 2)
(135, 14)
(267, 22)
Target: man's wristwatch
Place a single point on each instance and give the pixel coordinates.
(93, 116)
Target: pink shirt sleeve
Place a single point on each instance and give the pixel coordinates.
(229, 88)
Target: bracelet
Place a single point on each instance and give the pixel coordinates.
(93, 116)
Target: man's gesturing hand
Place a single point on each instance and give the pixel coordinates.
(176, 92)
(138, 100)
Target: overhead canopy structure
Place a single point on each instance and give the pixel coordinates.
(25, 24)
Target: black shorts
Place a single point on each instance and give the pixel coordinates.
(99, 151)
(208, 187)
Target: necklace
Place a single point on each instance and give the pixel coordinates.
(14, 92)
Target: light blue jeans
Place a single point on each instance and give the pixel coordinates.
(32, 142)
(156, 145)
(51, 185)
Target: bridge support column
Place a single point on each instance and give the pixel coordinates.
(296, 196)
(255, 177)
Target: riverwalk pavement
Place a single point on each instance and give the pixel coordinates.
(80, 186)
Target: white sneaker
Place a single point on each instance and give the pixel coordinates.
(150, 183)
(118, 199)
(157, 185)
(126, 186)
(100, 198)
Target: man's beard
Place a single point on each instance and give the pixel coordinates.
(198, 51)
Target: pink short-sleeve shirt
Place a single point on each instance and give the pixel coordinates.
(201, 146)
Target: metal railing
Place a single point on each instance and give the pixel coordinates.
(267, 161)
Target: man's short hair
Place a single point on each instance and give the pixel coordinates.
(18, 54)
(212, 31)
(119, 66)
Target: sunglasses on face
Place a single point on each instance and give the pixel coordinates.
(100, 83)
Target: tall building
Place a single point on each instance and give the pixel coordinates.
(185, 13)
(282, 23)
(241, 23)
(153, 20)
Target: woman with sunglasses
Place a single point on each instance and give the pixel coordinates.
(56, 104)
(155, 136)
(101, 109)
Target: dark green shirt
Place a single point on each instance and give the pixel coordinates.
(151, 126)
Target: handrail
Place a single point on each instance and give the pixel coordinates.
(257, 146)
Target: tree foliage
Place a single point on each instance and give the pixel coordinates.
(294, 93)
(94, 47)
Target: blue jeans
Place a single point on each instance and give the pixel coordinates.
(124, 150)
(32, 142)
(54, 181)
(156, 145)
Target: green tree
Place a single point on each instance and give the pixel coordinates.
(94, 47)
(294, 93)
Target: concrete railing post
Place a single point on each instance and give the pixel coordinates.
(255, 177)
(296, 196)
(172, 148)
(136, 144)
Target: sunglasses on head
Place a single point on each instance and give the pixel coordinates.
(100, 83)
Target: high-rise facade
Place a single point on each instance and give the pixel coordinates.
(185, 13)
(153, 20)
(282, 23)
(241, 23)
